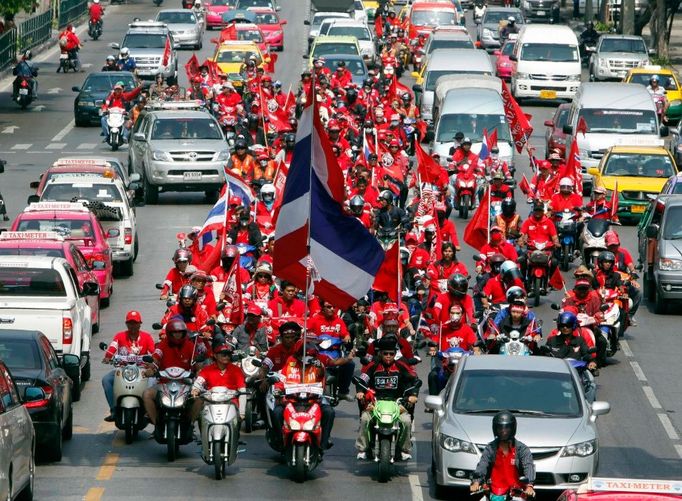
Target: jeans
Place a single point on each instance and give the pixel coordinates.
(328, 415)
(105, 129)
(108, 385)
(404, 442)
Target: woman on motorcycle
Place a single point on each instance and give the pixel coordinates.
(441, 270)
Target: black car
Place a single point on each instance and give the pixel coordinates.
(95, 89)
(34, 363)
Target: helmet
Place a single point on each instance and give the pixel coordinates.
(498, 175)
(387, 196)
(516, 295)
(565, 182)
(567, 319)
(508, 206)
(466, 140)
(496, 261)
(357, 204)
(125, 52)
(267, 192)
(187, 292)
(176, 324)
(606, 257)
(511, 19)
(182, 255)
(654, 78)
(504, 425)
(110, 57)
(289, 138)
(386, 343)
(538, 205)
(95, 1)
(224, 344)
(510, 271)
(197, 3)
(611, 238)
(230, 251)
(458, 285)
(240, 144)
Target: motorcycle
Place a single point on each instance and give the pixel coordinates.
(567, 229)
(68, 61)
(219, 429)
(386, 237)
(659, 101)
(250, 365)
(479, 12)
(173, 426)
(592, 240)
(129, 386)
(116, 118)
(410, 133)
(610, 326)
(465, 187)
(514, 344)
(515, 493)
(95, 28)
(384, 428)
(539, 255)
(417, 59)
(24, 95)
(332, 347)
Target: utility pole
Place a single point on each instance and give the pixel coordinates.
(627, 22)
(589, 10)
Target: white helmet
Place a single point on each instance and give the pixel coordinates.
(95, 1)
(565, 182)
(125, 52)
(197, 3)
(267, 192)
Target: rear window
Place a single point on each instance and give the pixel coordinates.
(359, 32)
(355, 66)
(324, 49)
(144, 41)
(627, 165)
(463, 43)
(250, 35)
(20, 354)
(665, 81)
(235, 56)
(23, 251)
(81, 191)
(71, 229)
(19, 281)
(176, 17)
(433, 18)
(623, 45)
(187, 128)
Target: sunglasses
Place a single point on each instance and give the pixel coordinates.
(224, 353)
(388, 353)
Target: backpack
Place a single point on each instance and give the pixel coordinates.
(63, 42)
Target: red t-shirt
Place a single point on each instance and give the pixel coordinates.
(174, 280)
(123, 345)
(539, 231)
(211, 376)
(495, 291)
(504, 474)
(560, 203)
(462, 336)
(504, 248)
(448, 232)
(438, 272)
(441, 308)
(277, 355)
(320, 325)
(420, 258)
(280, 308)
(166, 355)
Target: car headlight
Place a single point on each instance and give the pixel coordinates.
(161, 156)
(676, 102)
(522, 76)
(584, 153)
(86, 103)
(223, 156)
(453, 444)
(574, 78)
(668, 264)
(602, 63)
(487, 33)
(582, 449)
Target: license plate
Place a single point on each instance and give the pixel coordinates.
(540, 13)
(548, 94)
(638, 209)
(23, 92)
(191, 176)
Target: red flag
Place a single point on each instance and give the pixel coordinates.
(581, 126)
(556, 281)
(613, 210)
(397, 89)
(573, 168)
(427, 167)
(166, 52)
(209, 257)
(379, 26)
(192, 67)
(229, 32)
(269, 62)
(521, 129)
(524, 186)
(492, 138)
(421, 126)
(436, 251)
(232, 295)
(386, 279)
(476, 231)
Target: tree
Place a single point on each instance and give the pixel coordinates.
(659, 15)
(8, 8)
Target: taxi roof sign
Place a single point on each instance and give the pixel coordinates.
(81, 161)
(31, 235)
(190, 104)
(598, 484)
(56, 206)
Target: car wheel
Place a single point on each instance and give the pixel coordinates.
(660, 306)
(151, 193)
(136, 249)
(80, 122)
(95, 326)
(27, 492)
(126, 268)
(67, 431)
(76, 388)
(199, 45)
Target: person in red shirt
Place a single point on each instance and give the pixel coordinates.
(228, 97)
(420, 258)
(543, 183)
(187, 308)
(286, 306)
(227, 256)
(499, 245)
(499, 191)
(455, 332)
(598, 207)
(69, 43)
(458, 286)
(441, 270)
(96, 11)
(176, 276)
(535, 229)
(132, 341)
(262, 289)
(448, 231)
(205, 295)
(118, 99)
(390, 329)
(566, 198)
(496, 288)
(342, 77)
(625, 264)
(463, 155)
(222, 372)
(367, 192)
(289, 333)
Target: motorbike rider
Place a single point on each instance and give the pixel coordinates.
(389, 217)
(509, 221)
(504, 459)
(356, 206)
(246, 232)
(496, 289)
(222, 372)
(125, 61)
(205, 297)
(241, 161)
(458, 286)
(70, 44)
(494, 164)
(388, 378)
(132, 341)
(96, 12)
(262, 289)
(110, 64)
(606, 274)
(537, 228)
(118, 99)
(590, 35)
(198, 10)
(286, 305)
(498, 244)
(658, 92)
(250, 333)
(509, 29)
(598, 207)
(441, 270)
(25, 69)
(277, 355)
(499, 190)
(517, 317)
(175, 350)
(455, 332)
(461, 155)
(624, 263)
(227, 257)
(187, 309)
(176, 276)
(566, 198)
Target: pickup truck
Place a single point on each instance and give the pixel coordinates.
(42, 293)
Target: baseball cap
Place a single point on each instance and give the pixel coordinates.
(134, 316)
(254, 310)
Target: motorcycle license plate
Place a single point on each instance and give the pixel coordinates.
(638, 209)
(540, 13)
(63, 56)
(23, 92)
(547, 94)
(191, 176)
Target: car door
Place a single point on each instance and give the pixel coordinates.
(56, 377)
(83, 312)
(16, 429)
(138, 146)
(5, 452)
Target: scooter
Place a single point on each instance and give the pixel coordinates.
(129, 386)
(219, 429)
(659, 101)
(24, 95)
(611, 324)
(465, 187)
(384, 428)
(593, 241)
(95, 29)
(539, 255)
(116, 118)
(250, 365)
(567, 229)
(173, 425)
(514, 344)
(68, 61)
(513, 494)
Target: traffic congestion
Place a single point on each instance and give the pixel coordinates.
(422, 250)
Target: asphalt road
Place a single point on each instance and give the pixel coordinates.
(639, 438)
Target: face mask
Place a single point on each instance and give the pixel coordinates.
(496, 238)
(455, 317)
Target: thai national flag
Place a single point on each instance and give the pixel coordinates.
(314, 238)
(214, 224)
(485, 149)
(236, 186)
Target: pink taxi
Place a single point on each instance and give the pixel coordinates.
(215, 10)
(272, 27)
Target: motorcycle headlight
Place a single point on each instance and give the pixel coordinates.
(161, 156)
(386, 418)
(180, 400)
(223, 156)
(453, 444)
(130, 373)
(165, 400)
(310, 425)
(294, 425)
(668, 264)
(86, 103)
(582, 449)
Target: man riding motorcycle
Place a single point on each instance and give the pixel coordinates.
(118, 99)
(110, 64)
(188, 310)
(624, 263)
(25, 70)
(537, 228)
(70, 44)
(250, 333)
(176, 276)
(125, 61)
(566, 198)
(509, 221)
(96, 11)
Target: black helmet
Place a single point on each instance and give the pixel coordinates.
(496, 261)
(176, 324)
(240, 144)
(182, 255)
(504, 425)
(606, 257)
(538, 205)
(508, 206)
(387, 343)
(567, 319)
(458, 285)
(290, 137)
(510, 271)
(357, 204)
(187, 291)
(387, 196)
(516, 295)
(367, 82)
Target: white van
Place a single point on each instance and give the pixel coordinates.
(443, 62)
(546, 62)
(470, 104)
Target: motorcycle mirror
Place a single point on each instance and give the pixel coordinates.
(555, 306)
(148, 359)
(170, 303)
(103, 346)
(157, 326)
(210, 321)
(220, 306)
(257, 363)
(604, 307)
(158, 286)
(639, 267)
(192, 335)
(356, 380)
(523, 480)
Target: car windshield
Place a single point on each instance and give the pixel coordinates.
(355, 66)
(324, 49)
(223, 3)
(665, 81)
(561, 118)
(64, 192)
(187, 128)
(556, 53)
(20, 354)
(433, 17)
(71, 229)
(672, 228)
(632, 45)
(461, 43)
(472, 125)
(250, 35)
(359, 32)
(234, 56)
(266, 18)
(638, 165)
(144, 41)
(494, 17)
(35, 251)
(22, 281)
(105, 83)
(547, 394)
(620, 121)
(245, 4)
(176, 17)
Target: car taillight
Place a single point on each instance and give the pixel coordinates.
(128, 236)
(67, 331)
(35, 404)
(96, 256)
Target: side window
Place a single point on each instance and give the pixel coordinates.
(8, 393)
(50, 356)
(78, 258)
(74, 280)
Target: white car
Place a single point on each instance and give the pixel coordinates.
(113, 205)
(353, 28)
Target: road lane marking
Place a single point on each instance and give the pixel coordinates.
(415, 487)
(55, 146)
(86, 146)
(638, 371)
(652, 398)
(22, 146)
(67, 128)
(106, 471)
(668, 425)
(678, 448)
(626, 349)
(94, 494)
(10, 129)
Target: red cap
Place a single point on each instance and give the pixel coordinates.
(394, 142)
(134, 316)
(495, 228)
(254, 310)
(582, 282)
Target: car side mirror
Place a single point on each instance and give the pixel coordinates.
(157, 326)
(652, 231)
(34, 394)
(34, 185)
(306, 22)
(114, 45)
(32, 199)
(148, 359)
(138, 136)
(599, 408)
(497, 53)
(134, 177)
(477, 20)
(549, 123)
(282, 22)
(278, 8)
(306, 56)
(90, 289)
(664, 131)
(512, 57)
(75, 88)
(568, 129)
(434, 402)
(2, 166)
(652, 52)
(103, 346)
(113, 233)
(417, 88)
(69, 360)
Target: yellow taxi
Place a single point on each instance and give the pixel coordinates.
(370, 7)
(668, 79)
(638, 171)
(230, 55)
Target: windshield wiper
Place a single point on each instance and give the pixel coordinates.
(479, 411)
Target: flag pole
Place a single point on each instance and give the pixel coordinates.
(488, 237)
(400, 278)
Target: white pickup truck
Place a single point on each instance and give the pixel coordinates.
(42, 293)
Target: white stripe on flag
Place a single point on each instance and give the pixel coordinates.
(334, 269)
(293, 215)
(305, 123)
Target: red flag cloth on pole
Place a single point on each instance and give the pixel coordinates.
(521, 129)
(613, 210)
(379, 26)
(428, 168)
(232, 295)
(574, 167)
(229, 32)
(386, 279)
(556, 281)
(492, 138)
(581, 126)
(166, 52)
(192, 67)
(279, 181)
(476, 232)
(524, 185)
(398, 89)
(436, 251)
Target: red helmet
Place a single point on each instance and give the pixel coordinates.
(333, 125)
(230, 251)
(197, 79)
(182, 255)
(235, 200)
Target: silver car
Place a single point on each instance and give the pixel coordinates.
(489, 28)
(17, 439)
(185, 27)
(615, 55)
(546, 396)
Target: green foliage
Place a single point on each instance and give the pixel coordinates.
(11, 7)
(603, 27)
(661, 61)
